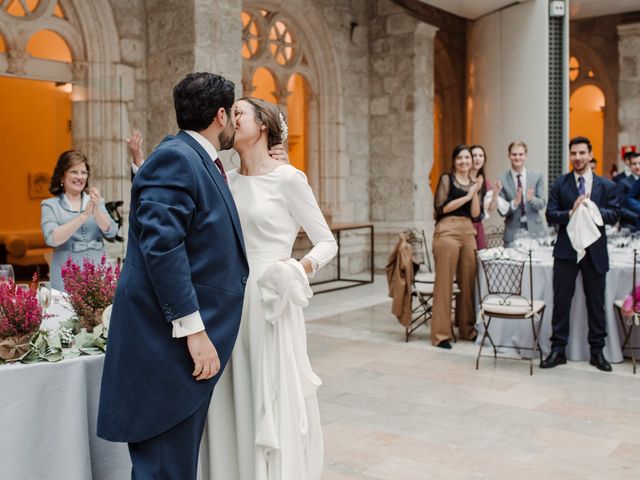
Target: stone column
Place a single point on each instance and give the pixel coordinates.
(629, 84)
(401, 125)
(186, 36)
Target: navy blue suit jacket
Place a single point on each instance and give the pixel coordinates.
(628, 216)
(561, 199)
(185, 253)
(631, 203)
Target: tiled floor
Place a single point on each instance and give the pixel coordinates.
(402, 411)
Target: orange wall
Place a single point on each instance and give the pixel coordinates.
(586, 119)
(34, 130)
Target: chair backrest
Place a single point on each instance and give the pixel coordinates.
(634, 280)
(113, 209)
(416, 238)
(494, 236)
(503, 270)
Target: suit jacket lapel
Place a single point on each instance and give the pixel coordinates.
(219, 181)
(511, 184)
(596, 190)
(571, 180)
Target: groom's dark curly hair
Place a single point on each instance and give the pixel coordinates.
(198, 97)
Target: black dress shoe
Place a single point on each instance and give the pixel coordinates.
(553, 360)
(598, 361)
(444, 344)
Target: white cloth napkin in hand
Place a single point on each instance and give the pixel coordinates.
(583, 227)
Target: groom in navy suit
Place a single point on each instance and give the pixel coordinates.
(567, 193)
(176, 310)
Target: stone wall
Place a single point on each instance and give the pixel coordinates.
(629, 84)
(130, 19)
(348, 22)
(401, 124)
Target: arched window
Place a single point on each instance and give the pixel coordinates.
(49, 45)
(264, 85)
(298, 110)
(574, 68)
(275, 69)
(46, 44)
(21, 8)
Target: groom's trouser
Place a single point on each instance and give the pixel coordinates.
(172, 455)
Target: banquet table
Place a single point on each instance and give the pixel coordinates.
(48, 418)
(518, 333)
(49, 412)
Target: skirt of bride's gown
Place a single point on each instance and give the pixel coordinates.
(229, 439)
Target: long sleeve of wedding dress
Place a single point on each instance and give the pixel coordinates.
(305, 210)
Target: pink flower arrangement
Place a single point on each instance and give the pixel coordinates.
(632, 303)
(20, 313)
(91, 287)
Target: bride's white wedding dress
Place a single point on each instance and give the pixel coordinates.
(264, 422)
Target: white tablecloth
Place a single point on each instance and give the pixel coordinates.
(518, 333)
(48, 418)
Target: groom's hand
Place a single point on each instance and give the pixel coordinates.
(204, 355)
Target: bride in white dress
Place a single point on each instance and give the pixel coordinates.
(264, 422)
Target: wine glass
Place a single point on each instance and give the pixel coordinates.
(6, 273)
(44, 295)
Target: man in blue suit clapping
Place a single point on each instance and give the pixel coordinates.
(177, 308)
(567, 193)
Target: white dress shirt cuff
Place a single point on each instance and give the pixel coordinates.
(187, 325)
(503, 206)
(135, 168)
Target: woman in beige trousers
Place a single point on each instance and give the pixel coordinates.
(457, 204)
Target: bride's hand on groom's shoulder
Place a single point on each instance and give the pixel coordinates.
(204, 354)
(278, 152)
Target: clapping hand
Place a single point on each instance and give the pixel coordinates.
(278, 152)
(475, 187)
(497, 187)
(529, 194)
(93, 203)
(518, 199)
(135, 147)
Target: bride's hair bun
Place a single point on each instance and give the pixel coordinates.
(272, 117)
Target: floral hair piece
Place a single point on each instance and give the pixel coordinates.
(283, 128)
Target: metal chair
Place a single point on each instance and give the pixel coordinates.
(494, 236)
(423, 283)
(629, 324)
(113, 209)
(503, 272)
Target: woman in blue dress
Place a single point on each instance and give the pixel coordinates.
(75, 221)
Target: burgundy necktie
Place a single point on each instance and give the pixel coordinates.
(221, 168)
(522, 212)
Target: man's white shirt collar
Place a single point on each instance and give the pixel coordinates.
(204, 143)
(588, 180)
(523, 177)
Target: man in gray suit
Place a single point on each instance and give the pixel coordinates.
(524, 193)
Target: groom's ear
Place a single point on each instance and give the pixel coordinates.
(221, 116)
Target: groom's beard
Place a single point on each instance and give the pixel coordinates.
(227, 136)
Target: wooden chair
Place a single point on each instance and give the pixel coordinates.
(629, 324)
(503, 272)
